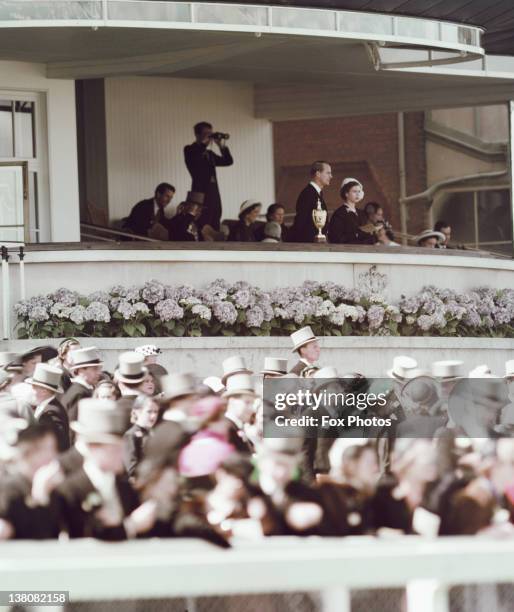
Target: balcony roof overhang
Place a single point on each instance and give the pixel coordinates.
(321, 61)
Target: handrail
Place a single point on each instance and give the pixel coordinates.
(114, 232)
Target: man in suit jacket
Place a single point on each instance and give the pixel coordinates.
(86, 369)
(240, 395)
(306, 345)
(49, 410)
(303, 229)
(147, 217)
(201, 163)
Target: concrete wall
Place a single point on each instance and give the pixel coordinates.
(59, 206)
(371, 356)
(149, 120)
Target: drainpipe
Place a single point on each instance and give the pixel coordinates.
(511, 166)
(403, 177)
(6, 329)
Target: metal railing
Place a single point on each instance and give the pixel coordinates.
(96, 571)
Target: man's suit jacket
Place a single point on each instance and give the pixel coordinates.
(70, 461)
(142, 217)
(238, 438)
(77, 501)
(30, 521)
(55, 415)
(201, 163)
(303, 229)
(300, 366)
(70, 400)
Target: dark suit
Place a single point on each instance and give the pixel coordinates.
(201, 163)
(344, 227)
(238, 438)
(142, 217)
(183, 228)
(70, 400)
(56, 417)
(77, 501)
(300, 366)
(30, 522)
(71, 461)
(134, 439)
(303, 229)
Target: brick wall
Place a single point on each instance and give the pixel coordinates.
(364, 147)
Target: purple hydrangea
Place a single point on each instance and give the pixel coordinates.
(254, 317)
(153, 291)
(375, 317)
(96, 311)
(225, 312)
(169, 310)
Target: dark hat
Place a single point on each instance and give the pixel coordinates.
(47, 352)
(195, 197)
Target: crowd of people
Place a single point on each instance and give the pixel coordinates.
(198, 217)
(141, 452)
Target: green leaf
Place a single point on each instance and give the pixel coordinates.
(179, 330)
(227, 332)
(141, 328)
(129, 329)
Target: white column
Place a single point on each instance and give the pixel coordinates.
(427, 596)
(511, 166)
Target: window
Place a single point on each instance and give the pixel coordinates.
(17, 129)
(479, 219)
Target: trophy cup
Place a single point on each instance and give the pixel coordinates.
(319, 218)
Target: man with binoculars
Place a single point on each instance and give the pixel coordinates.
(201, 161)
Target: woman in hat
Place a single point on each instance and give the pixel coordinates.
(244, 229)
(66, 347)
(145, 412)
(430, 239)
(348, 224)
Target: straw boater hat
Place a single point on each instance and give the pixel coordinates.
(85, 357)
(47, 377)
(430, 234)
(447, 370)
(148, 350)
(195, 197)
(402, 365)
(274, 365)
(101, 421)
(302, 337)
(234, 365)
(240, 384)
(509, 368)
(131, 370)
(246, 205)
(178, 385)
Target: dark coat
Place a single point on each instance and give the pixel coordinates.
(71, 461)
(142, 217)
(183, 228)
(344, 227)
(134, 439)
(77, 514)
(299, 367)
(56, 417)
(70, 400)
(201, 163)
(30, 522)
(303, 229)
(238, 438)
(240, 232)
(186, 525)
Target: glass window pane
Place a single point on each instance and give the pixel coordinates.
(11, 203)
(6, 133)
(24, 118)
(457, 211)
(148, 11)
(33, 208)
(494, 222)
(304, 19)
(236, 15)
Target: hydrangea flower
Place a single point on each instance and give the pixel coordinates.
(375, 316)
(78, 314)
(169, 310)
(96, 311)
(225, 312)
(153, 292)
(38, 313)
(204, 312)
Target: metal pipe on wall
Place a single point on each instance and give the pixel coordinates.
(21, 256)
(511, 166)
(6, 327)
(403, 176)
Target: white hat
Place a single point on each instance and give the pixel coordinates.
(214, 383)
(349, 179)
(85, 357)
(274, 365)
(247, 204)
(148, 350)
(401, 367)
(449, 370)
(101, 421)
(480, 371)
(177, 385)
(509, 368)
(4, 377)
(285, 446)
(234, 365)
(46, 376)
(430, 234)
(302, 337)
(240, 384)
(326, 372)
(6, 358)
(131, 369)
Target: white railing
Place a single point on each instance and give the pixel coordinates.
(92, 570)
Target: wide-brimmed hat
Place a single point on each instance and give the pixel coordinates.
(401, 367)
(447, 370)
(46, 353)
(131, 370)
(246, 205)
(86, 357)
(274, 365)
(195, 197)
(148, 350)
(47, 377)
(301, 337)
(240, 384)
(6, 357)
(101, 421)
(422, 391)
(15, 365)
(430, 234)
(178, 385)
(481, 371)
(509, 368)
(234, 365)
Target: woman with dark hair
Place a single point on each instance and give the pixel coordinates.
(347, 223)
(244, 229)
(275, 213)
